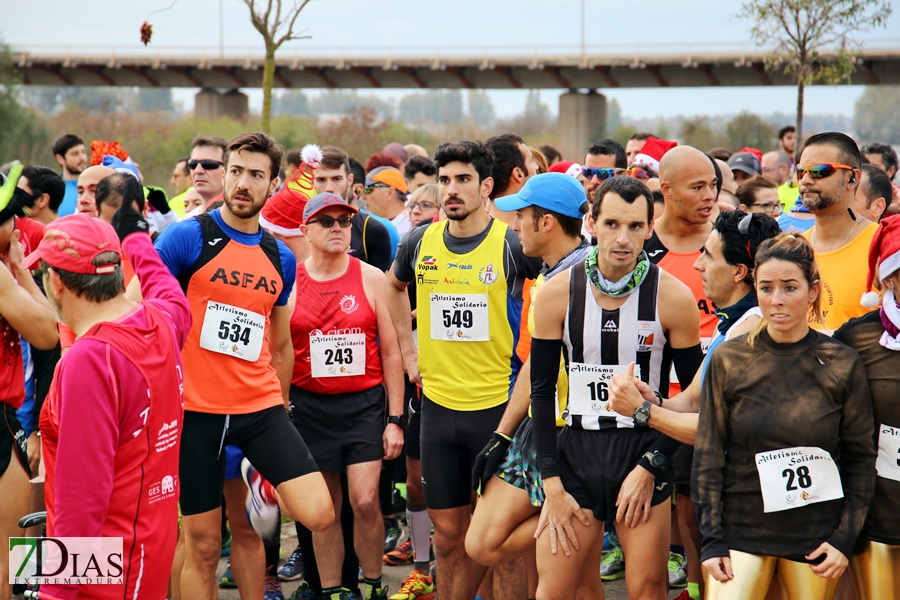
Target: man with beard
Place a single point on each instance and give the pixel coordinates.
(71, 156)
(238, 362)
(829, 173)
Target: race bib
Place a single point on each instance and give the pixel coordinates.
(337, 355)
(795, 477)
(887, 464)
(233, 331)
(589, 390)
(459, 317)
(704, 345)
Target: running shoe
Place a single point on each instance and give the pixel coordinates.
(226, 544)
(272, 589)
(262, 507)
(304, 592)
(292, 569)
(227, 581)
(418, 586)
(677, 570)
(403, 555)
(354, 595)
(612, 565)
(379, 594)
(392, 535)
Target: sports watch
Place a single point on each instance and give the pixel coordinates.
(641, 414)
(656, 460)
(400, 420)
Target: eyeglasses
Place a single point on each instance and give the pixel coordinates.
(371, 188)
(636, 172)
(600, 173)
(769, 207)
(208, 164)
(328, 222)
(820, 170)
(424, 205)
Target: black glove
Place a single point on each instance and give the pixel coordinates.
(489, 459)
(158, 199)
(127, 220)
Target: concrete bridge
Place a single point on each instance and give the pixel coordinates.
(221, 73)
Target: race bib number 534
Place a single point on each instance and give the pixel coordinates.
(233, 331)
(796, 477)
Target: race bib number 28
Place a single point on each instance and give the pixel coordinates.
(796, 477)
(233, 331)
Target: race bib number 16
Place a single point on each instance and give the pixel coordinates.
(233, 331)
(589, 389)
(796, 477)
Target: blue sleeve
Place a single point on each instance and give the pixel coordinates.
(179, 245)
(289, 268)
(395, 239)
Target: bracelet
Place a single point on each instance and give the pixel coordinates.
(658, 397)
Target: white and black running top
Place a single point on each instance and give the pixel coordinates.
(633, 332)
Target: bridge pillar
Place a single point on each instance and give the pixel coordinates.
(211, 104)
(582, 121)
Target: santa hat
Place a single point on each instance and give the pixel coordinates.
(884, 252)
(283, 212)
(652, 152)
(99, 149)
(567, 167)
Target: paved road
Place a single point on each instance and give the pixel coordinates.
(393, 576)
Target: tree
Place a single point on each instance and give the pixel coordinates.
(154, 100)
(291, 102)
(749, 130)
(277, 27)
(443, 107)
(875, 114)
(23, 134)
(814, 39)
(481, 109)
(697, 132)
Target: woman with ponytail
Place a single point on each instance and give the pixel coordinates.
(784, 459)
(876, 336)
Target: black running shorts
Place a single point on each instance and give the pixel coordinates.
(413, 408)
(340, 429)
(593, 465)
(682, 464)
(268, 439)
(12, 438)
(450, 441)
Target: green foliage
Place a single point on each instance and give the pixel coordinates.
(290, 102)
(698, 132)
(481, 109)
(432, 107)
(154, 99)
(623, 133)
(749, 130)
(22, 132)
(337, 102)
(875, 114)
(662, 132)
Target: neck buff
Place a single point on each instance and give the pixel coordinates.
(618, 289)
(890, 318)
(574, 257)
(729, 315)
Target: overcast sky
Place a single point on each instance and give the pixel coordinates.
(448, 24)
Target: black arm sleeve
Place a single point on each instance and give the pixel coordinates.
(377, 245)
(544, 372)
(44, 366)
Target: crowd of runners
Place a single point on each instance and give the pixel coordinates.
(516, 375)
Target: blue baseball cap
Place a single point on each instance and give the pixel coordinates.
(558, 192)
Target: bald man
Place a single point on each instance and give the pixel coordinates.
(687, 180)
(87, 185)
(415, 150)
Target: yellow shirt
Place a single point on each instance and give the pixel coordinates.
(788, 195)
(843, 272)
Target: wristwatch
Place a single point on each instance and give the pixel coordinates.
(641, 414)
(400, 420)
(656, 460)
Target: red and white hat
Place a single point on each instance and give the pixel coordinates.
(884, 253)
(568, 167)
(283, 212)
(652, 152)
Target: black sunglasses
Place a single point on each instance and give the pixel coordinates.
(328, 222)
(208, 164)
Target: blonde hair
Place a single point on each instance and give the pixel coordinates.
(794, 249)
(429, 189)
(540, 160)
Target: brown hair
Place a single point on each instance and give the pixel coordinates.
(795, 249)
(747, 191)
(260, 143)
(335, 158)
(209, 141)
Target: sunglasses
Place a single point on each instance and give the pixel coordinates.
(208, 164)
(424, 205)
(600, 173)
(328, 222)
(636, 172)
(371, 188)
(820, 170)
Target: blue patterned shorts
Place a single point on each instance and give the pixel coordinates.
(521, 465)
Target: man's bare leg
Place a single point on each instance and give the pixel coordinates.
(458, 574)
(202, 547)
(368, 526)
(503, 525)
(646, 550)
(560, 576)
(329, 543)
(690, 539)
(248, 556)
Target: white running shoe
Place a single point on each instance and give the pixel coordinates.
(262, 507)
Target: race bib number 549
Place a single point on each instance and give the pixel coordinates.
(796, 477)
(233, 331)
(460, 317)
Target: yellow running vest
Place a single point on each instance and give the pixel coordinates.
(562, 380)
(843, 274)
(467, 321)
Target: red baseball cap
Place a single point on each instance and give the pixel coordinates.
(320, 202)
(73, 242)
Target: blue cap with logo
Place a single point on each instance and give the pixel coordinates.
(557, 192)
